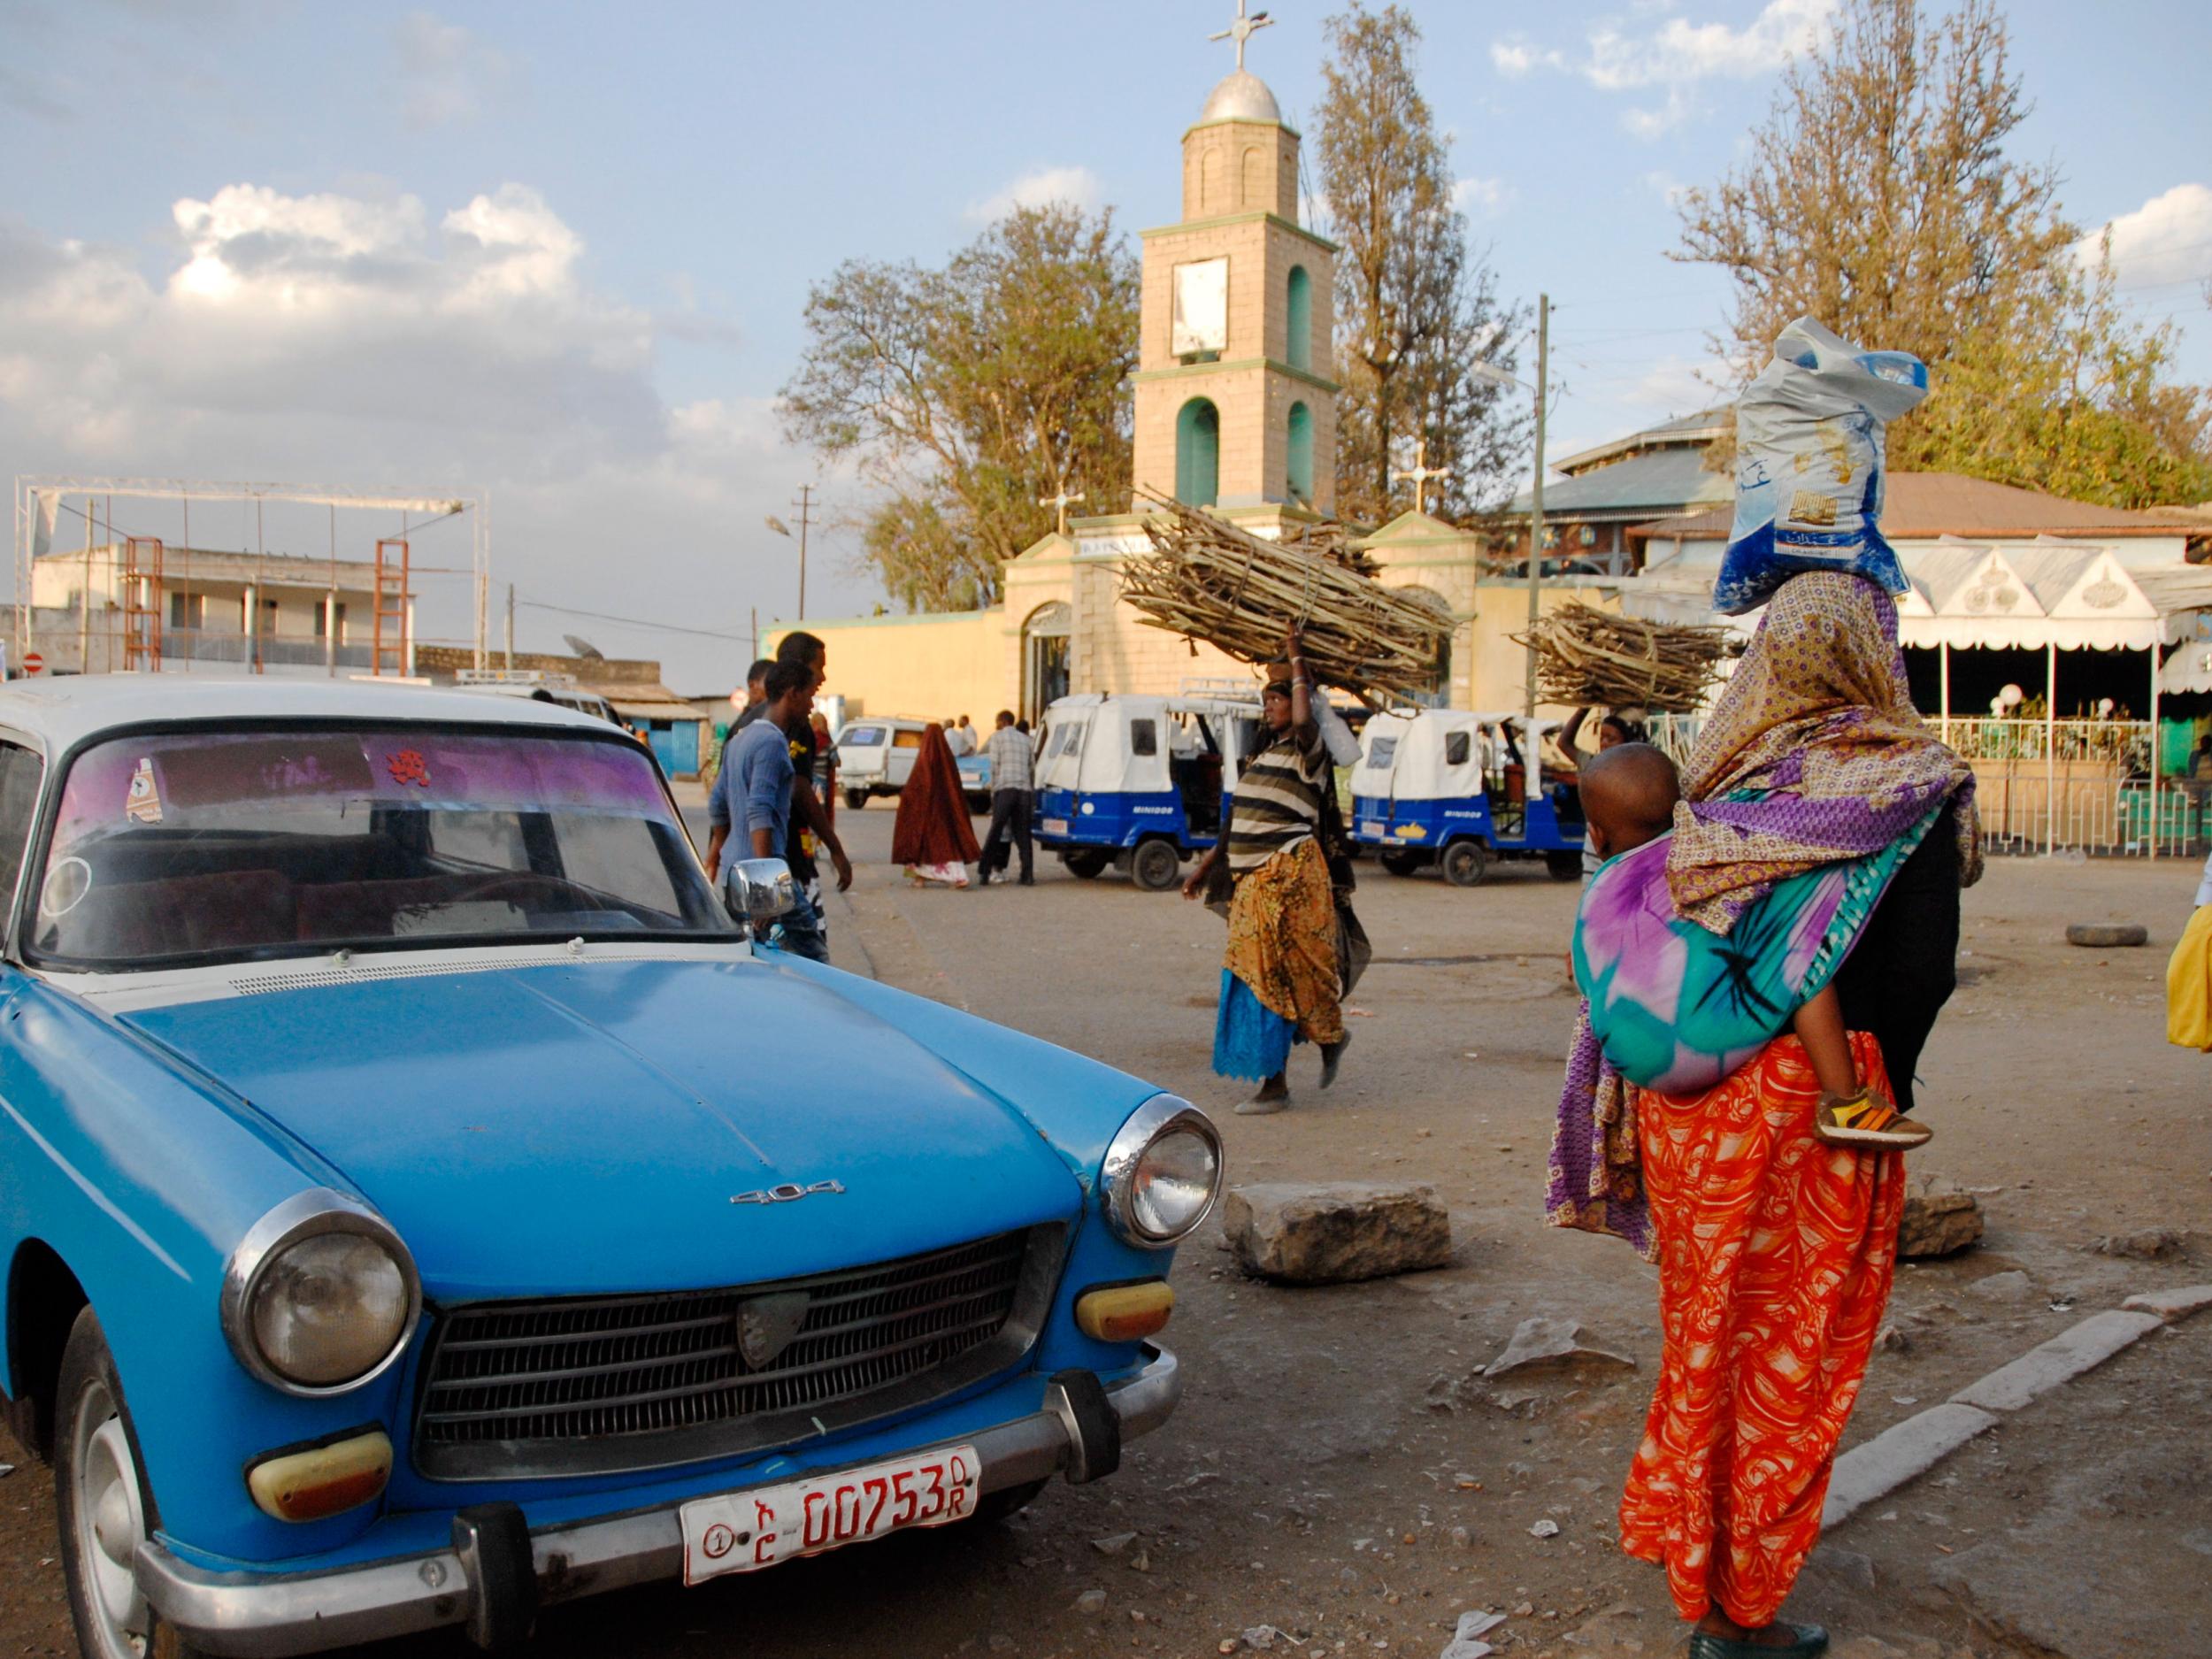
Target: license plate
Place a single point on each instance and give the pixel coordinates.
(744, 1531)
(1056, 827)
(1372, 826)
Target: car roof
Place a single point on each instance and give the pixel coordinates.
(63, 711)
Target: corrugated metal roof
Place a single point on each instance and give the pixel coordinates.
(1926, 504)
(1657, 482)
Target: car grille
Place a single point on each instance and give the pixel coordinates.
(521, 1388)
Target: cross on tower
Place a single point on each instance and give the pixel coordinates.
(1242, 30)
(1419, 475)
(1060, 503)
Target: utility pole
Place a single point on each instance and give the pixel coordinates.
(510, 627)
(1530, 769)
(805, 505)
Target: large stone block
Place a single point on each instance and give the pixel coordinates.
(1939, 1220)
(1328, 1232)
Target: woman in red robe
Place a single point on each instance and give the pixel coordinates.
(932, 836)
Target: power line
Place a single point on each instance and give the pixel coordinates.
(628, 622)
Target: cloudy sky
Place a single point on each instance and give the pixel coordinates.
(558, 252)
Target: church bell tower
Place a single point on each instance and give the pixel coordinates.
(1235, 405)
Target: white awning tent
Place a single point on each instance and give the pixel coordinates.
(2188, 670)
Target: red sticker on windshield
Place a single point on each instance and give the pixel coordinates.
(407, 767)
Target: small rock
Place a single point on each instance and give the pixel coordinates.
(1940, 1219)
(1892, 1339)
(1261, 1637)
(1331, 1233)
(1845, 1566)
(2152, 1244)
(1113, 1543)
(2171, 1304)
(1544, 1529)
(1466, 1642)
(2107, 935)
(1091, 1602)
(2011, 1287)
(1462, 1539)
(1541, 1344)
(1229, 1644)
(1142, 1562)
(1525, 1610)
(1000, 1642)
(6, 1470)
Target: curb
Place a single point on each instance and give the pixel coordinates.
(1907, 1450)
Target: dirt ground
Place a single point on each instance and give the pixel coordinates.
(1338, 1473)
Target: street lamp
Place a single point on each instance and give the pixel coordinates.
(1499, 377)
(805, 505)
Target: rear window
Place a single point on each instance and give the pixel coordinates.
(1381, 751)
(203, 845)
(1455, 747)
(1066, 739)
(861, 737)
(904, 738)
(1144, 737)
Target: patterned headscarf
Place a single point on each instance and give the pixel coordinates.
(1815, 753)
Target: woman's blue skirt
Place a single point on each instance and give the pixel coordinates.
(1250, 1039)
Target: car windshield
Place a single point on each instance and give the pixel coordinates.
(199, 845)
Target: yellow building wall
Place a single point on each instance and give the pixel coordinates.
(1499, 669)
(928, 667)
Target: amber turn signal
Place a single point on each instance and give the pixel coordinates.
(322, 1481)
(1125, 1313)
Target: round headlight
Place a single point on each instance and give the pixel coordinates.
(321, 1296)
(1162, 1173)
(327, 1308)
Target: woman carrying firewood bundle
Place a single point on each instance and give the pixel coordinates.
(1279, 980)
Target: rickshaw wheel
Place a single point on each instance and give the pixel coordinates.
(1401, 863)
(1563, 866)
(1464, 862)
(1088, 863)
(855, 800)
(1155, 866)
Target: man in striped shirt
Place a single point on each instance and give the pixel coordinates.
(1009, 754)
(1278, 982)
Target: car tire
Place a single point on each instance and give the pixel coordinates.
(1563, 866)
(1008, 1501)
(103, 1507)
(855, 800)
(1155, 866)
(1402, 864)
(1088, 864)
(1464, 862)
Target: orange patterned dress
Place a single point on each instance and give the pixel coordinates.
(1776, 1255)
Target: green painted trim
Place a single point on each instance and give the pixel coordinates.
(1243, 120)
(1186, 371)
(1256, 216)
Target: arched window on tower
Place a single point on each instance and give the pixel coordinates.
(1300, 468)
(1298, 319)
(1255, 192)
(1210, 191)
(1198, 453)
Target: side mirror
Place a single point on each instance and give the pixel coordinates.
(758, 890)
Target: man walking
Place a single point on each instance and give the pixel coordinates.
(1010, 752)
(752, 792)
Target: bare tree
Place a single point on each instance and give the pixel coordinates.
(1415, 309)
(1880, 197)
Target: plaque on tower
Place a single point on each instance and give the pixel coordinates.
(1201, 308)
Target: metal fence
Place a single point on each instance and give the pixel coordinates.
(206, 645)
(2048, 787)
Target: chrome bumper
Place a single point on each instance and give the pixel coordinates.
(277, 1613)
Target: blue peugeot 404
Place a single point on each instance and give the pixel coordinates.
(414, 1209)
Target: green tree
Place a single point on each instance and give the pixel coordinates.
(1880, 198)
(1416, 309)
(965, 392)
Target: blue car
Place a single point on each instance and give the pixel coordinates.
(416, 1208)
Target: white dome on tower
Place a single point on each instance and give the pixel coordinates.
(1242, 96)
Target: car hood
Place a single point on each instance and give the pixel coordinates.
(579, 1128)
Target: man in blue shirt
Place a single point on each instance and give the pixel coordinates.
(752, 794)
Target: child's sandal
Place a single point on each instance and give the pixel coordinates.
(1866, 1122)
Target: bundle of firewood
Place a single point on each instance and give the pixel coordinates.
(1206, 580)
(1587, 656)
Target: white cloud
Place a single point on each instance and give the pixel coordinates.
(371, 340)
(1484, 198)
(1675, 57)
(2169, 238)
(1515, 57)
(1668, 189)
(1678, 51)
(1077, 186)
(446, 74)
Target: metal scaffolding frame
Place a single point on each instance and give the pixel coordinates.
(32, 492)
